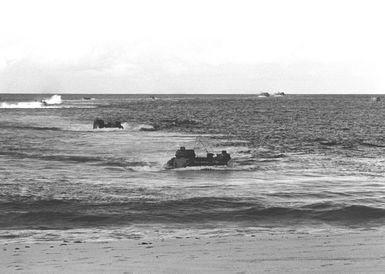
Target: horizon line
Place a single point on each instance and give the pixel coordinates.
(257, 93)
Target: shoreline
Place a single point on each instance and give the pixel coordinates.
(326, 252)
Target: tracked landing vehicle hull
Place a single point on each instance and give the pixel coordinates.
(187, 158)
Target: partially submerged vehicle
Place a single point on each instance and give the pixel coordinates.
(264, 95)
(99, 123)
(279, 94)
(187, 158)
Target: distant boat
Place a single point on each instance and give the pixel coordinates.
(88, 98)
(264, 94)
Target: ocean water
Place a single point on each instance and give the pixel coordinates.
(299, 163)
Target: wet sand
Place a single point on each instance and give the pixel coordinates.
(353, 252)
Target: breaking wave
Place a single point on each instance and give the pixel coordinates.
(22, 105)
(138, 127)
(128, 127)
(53, 100)
(79, 127)
(63, 214)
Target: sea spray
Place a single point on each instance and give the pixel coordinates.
(53, 100)
(22, 105)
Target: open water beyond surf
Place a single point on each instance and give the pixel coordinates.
(299, 163)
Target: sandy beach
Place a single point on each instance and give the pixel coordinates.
(353, 252)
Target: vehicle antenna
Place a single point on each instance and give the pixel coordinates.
(199, 141)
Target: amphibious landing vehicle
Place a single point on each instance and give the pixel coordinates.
(99, 123)
(186, 158)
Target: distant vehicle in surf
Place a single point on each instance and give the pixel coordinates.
(376, 99)
(264, 95)
(53, 100)
(99, 123)
(279, 94)
(187, 158)
(88, 98)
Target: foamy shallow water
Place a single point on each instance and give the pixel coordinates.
(58, 174)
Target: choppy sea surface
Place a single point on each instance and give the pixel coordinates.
(299, 163)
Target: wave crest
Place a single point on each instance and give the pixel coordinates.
(53, 100)
(22, 213)
(22, 105)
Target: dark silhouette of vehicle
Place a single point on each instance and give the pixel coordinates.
(99, 123)
(187, 158)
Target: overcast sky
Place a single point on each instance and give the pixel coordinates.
(296, 46)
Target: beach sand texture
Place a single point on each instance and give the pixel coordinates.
(355, 252)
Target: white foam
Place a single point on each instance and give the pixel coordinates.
(128, 127)
(106, 129)
(136, 127)
(53, 100)
(22, 105)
